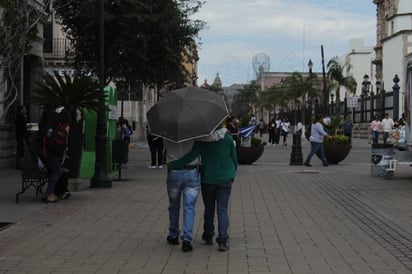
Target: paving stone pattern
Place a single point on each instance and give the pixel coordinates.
(283, 219)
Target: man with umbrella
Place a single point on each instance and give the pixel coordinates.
(180, 117)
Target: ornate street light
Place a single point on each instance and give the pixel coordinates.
(366, 85)
(310, 66)
(332, 106)
(194, 78)
(100, 178)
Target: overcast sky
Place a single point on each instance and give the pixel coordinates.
(289, 32)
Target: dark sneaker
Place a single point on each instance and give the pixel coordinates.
(187, 246)
(208, 240)
(172, 241)
(307, 164)
(223, 247)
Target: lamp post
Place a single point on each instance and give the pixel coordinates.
(325, 94)
(310, 66)
(332, 107)
(100, 178)
(308, 96)
(194, 78)
(365, 90)
(395, 89)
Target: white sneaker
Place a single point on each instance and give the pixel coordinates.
(160, 166)
(151, 167)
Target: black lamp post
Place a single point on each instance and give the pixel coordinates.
(332, 106)
(325, 93)
(396, 89)
(310, 66)
(194, 78)
(100, 178)
(365, 91)
(307, 112)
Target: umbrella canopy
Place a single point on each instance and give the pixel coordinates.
(187, 113)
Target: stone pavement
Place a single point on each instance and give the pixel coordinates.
(283, 219)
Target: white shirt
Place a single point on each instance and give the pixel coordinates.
(387, 124)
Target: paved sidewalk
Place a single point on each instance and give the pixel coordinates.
(283, 219)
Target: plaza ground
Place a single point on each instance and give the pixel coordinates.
(283, 219)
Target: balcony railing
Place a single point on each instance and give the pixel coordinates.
(56, 47)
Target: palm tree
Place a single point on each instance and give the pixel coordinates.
(336, 74)
(74, 94)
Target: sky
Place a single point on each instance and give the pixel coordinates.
(288, 33)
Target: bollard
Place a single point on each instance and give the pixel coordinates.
(296, 157)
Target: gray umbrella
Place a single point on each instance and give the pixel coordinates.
(187, 113)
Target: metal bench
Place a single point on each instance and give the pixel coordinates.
(32, 175)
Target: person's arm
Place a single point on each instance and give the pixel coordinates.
(214, 136)
(189, 157)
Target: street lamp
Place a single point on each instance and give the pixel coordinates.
(325, 93)
(100, 178)
(310, 66)
(194, 78)
(366, 84)
(332, 109)
(365, 91)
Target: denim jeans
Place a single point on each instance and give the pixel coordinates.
(216, 195)
(318, 149)
(187, 183)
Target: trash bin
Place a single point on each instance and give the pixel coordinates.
(381, 156)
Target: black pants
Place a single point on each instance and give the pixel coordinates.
(156, 151)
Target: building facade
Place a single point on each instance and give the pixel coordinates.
(394, 43)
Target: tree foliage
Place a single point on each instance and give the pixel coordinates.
(339, 76)
(144, 39)
(245, 99)
(74, 93)
(18, 29)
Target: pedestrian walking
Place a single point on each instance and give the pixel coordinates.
(278, 129)
(387, 127)
(376, 127)
(156, 149)
(184, 183)
(232, 125)
(347, 128)
(317, 134)
(219, 162)
(271, 131)
(285, 125)
(262, 127)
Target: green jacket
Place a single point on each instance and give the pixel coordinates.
(219, 160)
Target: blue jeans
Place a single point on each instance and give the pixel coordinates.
(216, 195)
(375, 136)
(184, 182)
(318, 149)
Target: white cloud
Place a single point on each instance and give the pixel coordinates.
(238, 29)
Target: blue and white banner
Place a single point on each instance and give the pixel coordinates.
(247, 131)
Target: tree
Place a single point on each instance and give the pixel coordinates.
(245, 100)
(144, 40)
(18, 30)
(76, 94)
(339, 76)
